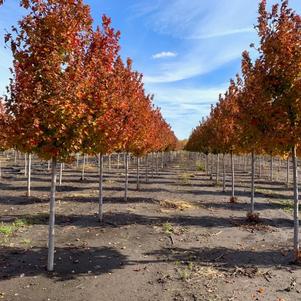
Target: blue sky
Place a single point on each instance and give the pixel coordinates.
(187, 50)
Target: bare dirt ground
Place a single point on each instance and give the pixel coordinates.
(178, 238)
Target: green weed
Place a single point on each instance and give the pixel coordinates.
(10, 228)
(168, 228)
(200, 167)
(6, 230)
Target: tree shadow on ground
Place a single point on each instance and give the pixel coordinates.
(119, 219)
(222, 257)
(245, 206)
(239, 193)
(23, 200)
(8, 187)
(70, 262)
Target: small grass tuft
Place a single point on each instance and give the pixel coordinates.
(168, 228)
(8, 229)
(286, 205)
(200, 167)
(185, 177)
(25, 241)
(20, 223)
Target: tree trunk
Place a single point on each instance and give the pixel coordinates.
(77, 160)
(287, 171)
(217, 169)
(296, 203)
(126, 177)
(110, 162)
(253, 182)
(25, 165)
(260, 169)
(211, 173)
(162, 160)
(48, 165)
(51, 218)
(157, 164)
(83, 167)
(15, 160)
(100, 209)
(146, 169)
(138, 173)
(28, 174)
(245, 160)
(118, 160)
(271, 168)
(224, 174)
(207, 164)
(153, 165)
(61, 174)
(232, 174)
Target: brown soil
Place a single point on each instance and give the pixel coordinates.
(178, 238)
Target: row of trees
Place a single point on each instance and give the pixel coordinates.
(261, 110)
(71, 92)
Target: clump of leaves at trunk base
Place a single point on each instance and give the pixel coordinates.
(253, 217)
(233, 200)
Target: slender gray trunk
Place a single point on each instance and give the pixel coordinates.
(207, 164)
(253, 182)
(157, 164)
(51, 218)
(77, 160)
(110, 162)
(153, 165)
(278, 169)
(100, 209)
(28, 174)
(245, 160)
(287, 171)
(118, 160)
(271, 168)
(15, 160)
(217, 169)
(98, 163)
(25, 165)
(83, 167)
(146, 168)
(61, 174)
(138, 173)
(211, 173)
(126, 177)
(48, 165)
(296, 203)
(162, 160)
(224, 174)
(232, 174)
(260, 169)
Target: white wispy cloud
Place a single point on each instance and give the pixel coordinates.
(223, 33)
(184, 107)
(164, 54)
(209, 34)
(199, 60)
